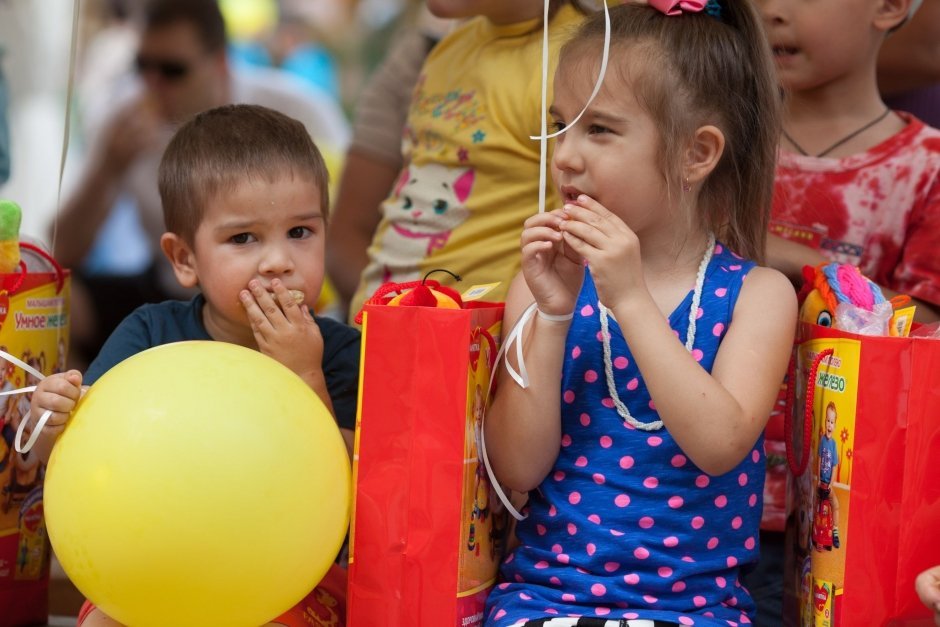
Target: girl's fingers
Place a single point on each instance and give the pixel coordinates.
(583, 251)
(591, 205)
(587, 233)
(549, 218)
(540, 234)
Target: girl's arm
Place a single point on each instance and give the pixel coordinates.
(716, 418)
(523, 426)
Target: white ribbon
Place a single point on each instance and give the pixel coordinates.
(544, 137)
(43, 419)
(521, 377)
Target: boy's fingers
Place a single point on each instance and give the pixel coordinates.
(286, 301)
(256, 316)
(67, 385)
(56, 402)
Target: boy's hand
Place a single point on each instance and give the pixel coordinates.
(58, 393)
(284, 329)
(928, 589)
(552, 270)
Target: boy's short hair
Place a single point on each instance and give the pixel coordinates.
(222, 147)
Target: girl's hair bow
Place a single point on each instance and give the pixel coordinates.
(677, 7)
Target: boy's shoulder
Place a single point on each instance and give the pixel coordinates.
(918, 132)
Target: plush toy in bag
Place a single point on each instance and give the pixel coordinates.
(838, 295)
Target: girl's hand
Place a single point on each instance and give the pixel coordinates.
(552, 270)
(610, 247)
(284, 329)
(58, 393)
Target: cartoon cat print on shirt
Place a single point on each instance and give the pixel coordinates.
(429, 203)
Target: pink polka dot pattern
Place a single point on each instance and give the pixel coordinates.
(625, 520)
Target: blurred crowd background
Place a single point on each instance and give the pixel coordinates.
(332, 45)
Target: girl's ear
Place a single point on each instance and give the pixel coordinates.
(182, 257)
(889, 14)
(704, 153)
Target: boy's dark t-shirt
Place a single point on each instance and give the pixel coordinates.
(177, 321)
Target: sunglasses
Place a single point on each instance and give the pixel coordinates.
(167, 68)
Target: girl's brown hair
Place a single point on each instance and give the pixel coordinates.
(695, 69)
(220, 148)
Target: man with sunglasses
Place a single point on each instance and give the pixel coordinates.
(182, 68)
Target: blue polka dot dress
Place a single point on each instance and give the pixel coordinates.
(625, 525)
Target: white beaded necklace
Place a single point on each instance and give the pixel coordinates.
(689, 341)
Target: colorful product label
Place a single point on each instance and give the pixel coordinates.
(824, 490)
(485, 522)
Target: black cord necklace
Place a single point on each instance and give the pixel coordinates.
(854, 133)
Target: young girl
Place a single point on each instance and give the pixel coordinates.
(645, 464)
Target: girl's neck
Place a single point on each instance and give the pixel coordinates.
(670, 265)
(666, 252)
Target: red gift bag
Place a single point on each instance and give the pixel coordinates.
(864, 515)
(427, 532)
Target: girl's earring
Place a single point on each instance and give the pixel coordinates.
(685, 186)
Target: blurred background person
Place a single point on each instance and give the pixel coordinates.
(374, 158)
(182, 67)
(909, 65)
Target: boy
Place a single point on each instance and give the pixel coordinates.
(245, 201)
(856, 182)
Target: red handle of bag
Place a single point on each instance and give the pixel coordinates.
(798, 468)
(19, 277)
(384, 293)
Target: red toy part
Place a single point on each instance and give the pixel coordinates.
(423, 293)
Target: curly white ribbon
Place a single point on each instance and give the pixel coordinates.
(43, 419)
(545, 136)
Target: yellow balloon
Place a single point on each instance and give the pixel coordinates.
(198, 483)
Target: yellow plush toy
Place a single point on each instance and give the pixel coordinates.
(10, 216)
